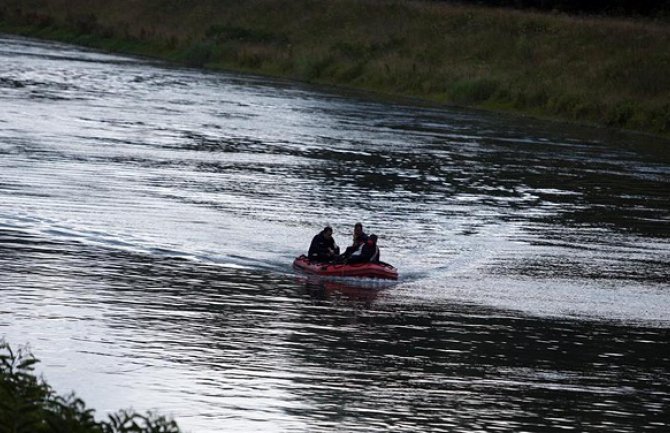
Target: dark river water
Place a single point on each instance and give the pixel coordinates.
(149, 216)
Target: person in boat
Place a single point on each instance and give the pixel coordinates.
(359, 239)
(368, 252)
(323, 247)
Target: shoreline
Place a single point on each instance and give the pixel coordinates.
(613, 74)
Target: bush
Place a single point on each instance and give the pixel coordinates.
(473, 91)
(83, 23)
(198, 54)
(29, 405)
(310, 68)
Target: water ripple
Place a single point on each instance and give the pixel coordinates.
(149, 217)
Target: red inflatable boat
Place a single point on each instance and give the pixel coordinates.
(365, 270)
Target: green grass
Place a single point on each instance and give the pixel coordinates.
(611, 72)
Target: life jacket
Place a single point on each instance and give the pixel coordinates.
(370, 244)
(375, 255)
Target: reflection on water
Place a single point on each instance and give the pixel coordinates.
(260, 350)
(149, 218)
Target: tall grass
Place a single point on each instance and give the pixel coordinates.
(612, 72)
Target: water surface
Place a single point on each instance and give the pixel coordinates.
(149, 216)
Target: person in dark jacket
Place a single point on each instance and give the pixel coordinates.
(368, 252)
(323, 247)
(359, 239)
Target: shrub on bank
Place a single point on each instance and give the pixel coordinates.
(29, 405)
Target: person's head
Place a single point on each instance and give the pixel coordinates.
(372, 239)
(358, 228)
(328, 231)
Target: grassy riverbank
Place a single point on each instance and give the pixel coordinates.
(611, 72)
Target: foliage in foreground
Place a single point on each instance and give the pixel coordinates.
(29, 405)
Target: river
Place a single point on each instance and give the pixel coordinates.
(149, 216)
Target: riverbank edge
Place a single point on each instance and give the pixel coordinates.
(223, 47)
